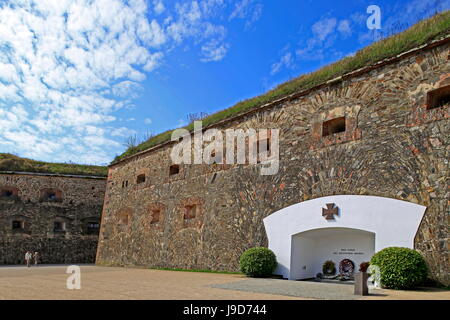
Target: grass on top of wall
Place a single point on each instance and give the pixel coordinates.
(10, 162)
(417, 35)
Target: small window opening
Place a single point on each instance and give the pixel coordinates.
(156, 214)
(51, 195)
(190, 212)
(6, 193)
(17, 225)
(140, 178)
(333, 126)
(174, 169)
(58, 226)
(93, 227)
(438, 98)
(124, 219)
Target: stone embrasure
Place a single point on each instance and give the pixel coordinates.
(393, 146)
(55, 215)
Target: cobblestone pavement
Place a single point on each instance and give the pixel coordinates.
(49, 282)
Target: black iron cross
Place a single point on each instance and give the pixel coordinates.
(330, 211)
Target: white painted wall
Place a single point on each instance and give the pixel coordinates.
(302, 258)
(393, 222)
(311, 249)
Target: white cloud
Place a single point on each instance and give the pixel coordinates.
(66, 66)
(56, 56)
(285, 61)
(126, 89)
(324, 34)
(255, 16)
(153, 34)
(191, 20)
(9, 92)
(240, 9)
(344, 27)
(8, 73)
(322, 28)
(211, 7)
(148, 121)
(419, 9)
(158, 6)
(214, 50)
(248, 10)
(153, 62)
(122, 132)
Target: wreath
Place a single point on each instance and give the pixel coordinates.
(346, 267)
(329, 268)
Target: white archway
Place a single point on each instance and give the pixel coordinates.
(363, 224)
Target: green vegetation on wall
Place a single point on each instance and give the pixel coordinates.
(10, 162)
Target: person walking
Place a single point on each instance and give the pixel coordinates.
(36, 258)
(28, 257)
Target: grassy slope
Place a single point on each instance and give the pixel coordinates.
(9, 162)
(415, 36)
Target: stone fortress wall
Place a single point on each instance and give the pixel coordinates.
(379, 131)
(56, 215)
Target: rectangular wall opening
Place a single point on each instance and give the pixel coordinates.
(333, 126)
(93, 227)
(190, 211)
(155, 216)
(140, 178)
(17, 225)
(59, 226)
(438, 98)
(174, 169)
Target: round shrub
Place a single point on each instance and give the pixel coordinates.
(400, 268)
(258, 262)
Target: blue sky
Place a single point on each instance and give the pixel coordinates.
(77, 77)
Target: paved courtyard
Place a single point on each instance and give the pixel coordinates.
(49, 282)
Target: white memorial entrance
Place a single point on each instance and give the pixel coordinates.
(346, 228)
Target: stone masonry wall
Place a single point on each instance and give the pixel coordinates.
(30, 204)
(392, 147)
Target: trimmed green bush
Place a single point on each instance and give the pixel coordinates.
(258, 262)
(400, 268)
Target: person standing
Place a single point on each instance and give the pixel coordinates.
(28, 257)
(36, 258)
